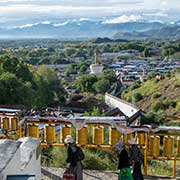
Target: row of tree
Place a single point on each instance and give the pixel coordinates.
(21, 84)
(96, 84)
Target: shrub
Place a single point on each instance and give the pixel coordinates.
(95, 159)
(178, 106)
(156, 95)
(151, 118)
(136, 97)
(163, 105)
(135, 85)
(177, 85)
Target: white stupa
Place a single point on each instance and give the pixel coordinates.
(96, 68)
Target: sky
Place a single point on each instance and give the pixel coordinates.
(19, 12)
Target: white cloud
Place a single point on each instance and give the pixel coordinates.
(123, 19)
(47, 10)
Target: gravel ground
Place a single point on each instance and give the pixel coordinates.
(56, 174)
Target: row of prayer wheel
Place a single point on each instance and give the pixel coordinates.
(154, 147)
(168, 146)
(9, 123)
(81, 135)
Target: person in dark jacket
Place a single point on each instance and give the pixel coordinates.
(136, 158)
(123, 165)
(72, 160)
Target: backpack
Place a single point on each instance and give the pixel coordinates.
(79, 154)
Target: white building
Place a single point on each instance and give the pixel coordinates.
(96, 68)
(20, 160)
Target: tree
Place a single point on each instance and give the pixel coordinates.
(102, 86)
(13, 91)
(49, 90)
(109, 75)
(146, 52)
(85, 83)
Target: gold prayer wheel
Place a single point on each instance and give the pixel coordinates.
(114, 136)
(33, 131)
(128, 137)
(82, 136)
(65, 130)
(178, 146)
(98, 135)
(168, 146)
(50, 134)
(154, 146)
(141, 138)
(14, 125)
(5, 123)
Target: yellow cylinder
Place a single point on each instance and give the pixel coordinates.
(154, 146)
(50, 134)
(151, 140)
(98, 135)
(141, 138)
(168, 146)
(5, 123)
(65, 130)
(33, 131)
(14, 125)
(82, 136)
(178, 146)
(114, 136)
(128, 137)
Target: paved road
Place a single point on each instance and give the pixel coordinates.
(56, 174)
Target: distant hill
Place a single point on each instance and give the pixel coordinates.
(77, 29)
(107, 40)
(171, 33)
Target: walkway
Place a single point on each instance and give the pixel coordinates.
(56, 174)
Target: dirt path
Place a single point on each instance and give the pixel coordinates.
(56, 174)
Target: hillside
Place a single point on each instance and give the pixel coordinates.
(157, 95)
(163, 33)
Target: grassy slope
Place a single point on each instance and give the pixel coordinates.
(167, 89)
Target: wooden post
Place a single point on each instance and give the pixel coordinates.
(145, 154)
(174, 168)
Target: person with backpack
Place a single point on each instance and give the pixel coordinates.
(124, 163)
(74, 157)
(136, 158)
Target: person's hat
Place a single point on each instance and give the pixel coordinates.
(132, 141)
(68, 139)
(119, 146)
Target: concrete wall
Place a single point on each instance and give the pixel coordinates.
(24, 162)
(127, 108)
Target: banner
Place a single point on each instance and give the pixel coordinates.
(79, 123)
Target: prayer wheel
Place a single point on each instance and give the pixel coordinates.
(98, 135)
(5, 123)
(33, 131)
(50, 134)
(82, 136)
(141, 138)
(14, 125)
(128, 137)
(114, 136)
(65, 130)
(154, 146)
(168, 146)
(178, 146)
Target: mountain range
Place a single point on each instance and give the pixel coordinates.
(87, 29)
